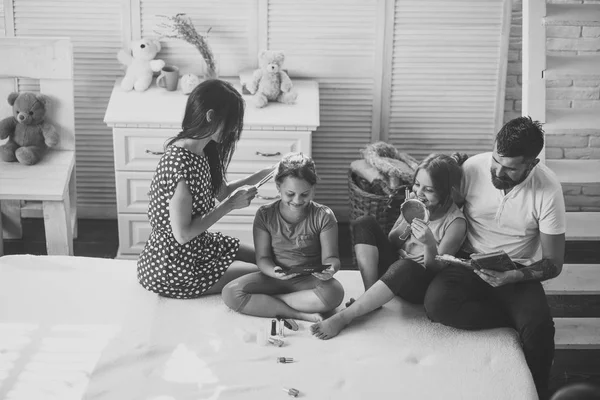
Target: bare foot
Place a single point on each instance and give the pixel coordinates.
(329, 328)
(310, 317)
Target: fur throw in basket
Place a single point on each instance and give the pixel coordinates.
(383, 170)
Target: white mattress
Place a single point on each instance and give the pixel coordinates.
(82, 328)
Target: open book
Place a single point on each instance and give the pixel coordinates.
(497, 261)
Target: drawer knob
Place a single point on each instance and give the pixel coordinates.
(258, 153)
(267, 197)
(155, 153)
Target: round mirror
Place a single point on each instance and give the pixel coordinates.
(413, 208)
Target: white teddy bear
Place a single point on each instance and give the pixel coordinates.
(140, 64)
(270, 82)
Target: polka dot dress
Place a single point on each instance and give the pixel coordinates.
(166, 267)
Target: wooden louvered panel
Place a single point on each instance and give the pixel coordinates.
(346, 117)
(95, 29)
(335, 43)
(446, 74)
(232, 36)
(324, 38)
(2, 23)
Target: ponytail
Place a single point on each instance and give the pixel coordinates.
(460, 158)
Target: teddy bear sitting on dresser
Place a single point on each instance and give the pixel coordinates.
(29, 136)
(270, 82)
(140, 63)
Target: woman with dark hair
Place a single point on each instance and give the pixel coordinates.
(290, 232)
(181, 259)
(403, 262)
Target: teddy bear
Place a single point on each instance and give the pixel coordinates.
(270, 82)
(140, 64)
(29, 135)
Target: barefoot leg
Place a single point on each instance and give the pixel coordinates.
(375, 297)
(367, 258)
(235, 270)
(263, 305)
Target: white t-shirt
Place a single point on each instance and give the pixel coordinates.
(511, 222)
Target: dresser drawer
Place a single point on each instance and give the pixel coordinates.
(135, 149)
(134, 230)
(132, 191)
(258, 149)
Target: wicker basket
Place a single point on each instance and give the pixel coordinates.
(385, 209)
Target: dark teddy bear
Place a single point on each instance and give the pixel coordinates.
(28, 135)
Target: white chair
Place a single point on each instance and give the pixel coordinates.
(52, 180)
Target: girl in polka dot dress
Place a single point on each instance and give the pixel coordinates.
(181, 259)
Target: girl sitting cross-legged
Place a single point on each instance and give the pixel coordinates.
(289, 232)
(403, 262)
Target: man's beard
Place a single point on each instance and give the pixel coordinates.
(505, 183)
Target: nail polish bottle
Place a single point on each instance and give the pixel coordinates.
(273, 327)
(275, 341)
(292, 392)
(281, 328)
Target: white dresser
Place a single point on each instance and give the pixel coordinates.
(142, 122)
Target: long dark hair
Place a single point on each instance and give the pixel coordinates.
(228, 111)
(445, 173)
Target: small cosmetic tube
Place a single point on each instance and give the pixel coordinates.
(292, 392)
(281, 328)
(276, 342)
(262, 337)
(273, 327)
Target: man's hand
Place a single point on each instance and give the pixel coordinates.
(495, 278)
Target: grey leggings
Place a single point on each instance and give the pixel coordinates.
(238, 292)
(405, 278)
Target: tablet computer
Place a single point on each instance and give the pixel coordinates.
(307, 269)
(267, 177)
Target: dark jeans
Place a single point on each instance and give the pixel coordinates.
(459, 298)
(405, 278)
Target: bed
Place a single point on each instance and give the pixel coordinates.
(82, 328)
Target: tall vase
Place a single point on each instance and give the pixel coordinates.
(211, 71)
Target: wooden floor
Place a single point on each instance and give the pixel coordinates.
(99, 238)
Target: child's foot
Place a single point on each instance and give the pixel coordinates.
(329, 328)
(310, 317)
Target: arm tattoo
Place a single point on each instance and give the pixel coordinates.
(540, 271)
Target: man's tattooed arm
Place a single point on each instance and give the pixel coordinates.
(540, 271)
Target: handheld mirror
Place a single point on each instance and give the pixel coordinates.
(413, 208)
